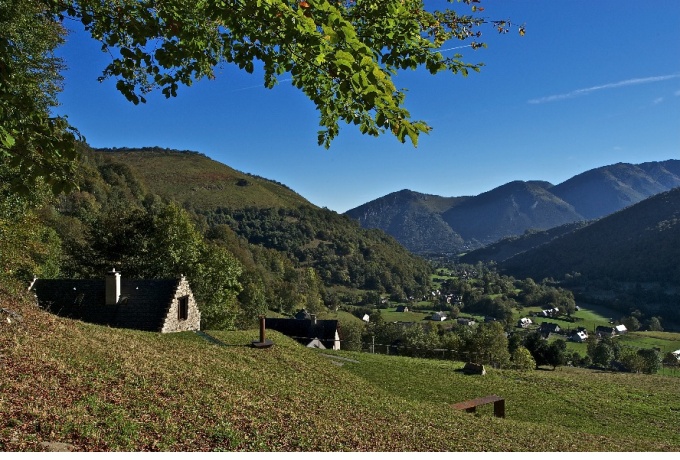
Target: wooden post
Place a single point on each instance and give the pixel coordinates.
(499, 408)
(263, 343)
(262, 330)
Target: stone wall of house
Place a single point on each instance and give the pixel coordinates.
(193, 321)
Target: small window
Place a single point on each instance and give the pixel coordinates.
(183, 310)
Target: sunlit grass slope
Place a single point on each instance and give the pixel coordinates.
(103, 389)
(205, 183)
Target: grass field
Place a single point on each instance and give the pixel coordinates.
(665, 341)
(599, 403)
(103, 389)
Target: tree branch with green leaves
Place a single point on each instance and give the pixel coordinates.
(343, 55)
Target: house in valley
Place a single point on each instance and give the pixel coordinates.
(401, 309)
(547, 329)
(550, 312)
(438, 316)
(524, 323)
(621, 329)
(163, 305)
(466, 321)
(305, 329)
(605, 331)
(580, 335)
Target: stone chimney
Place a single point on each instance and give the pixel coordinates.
(112, 287)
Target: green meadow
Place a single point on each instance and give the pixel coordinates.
(102, 389)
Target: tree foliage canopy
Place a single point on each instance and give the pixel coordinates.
(37, 145)
(342, 54)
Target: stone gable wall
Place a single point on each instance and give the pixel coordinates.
(193, 321)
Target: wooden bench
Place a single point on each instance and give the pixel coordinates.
(471, 405)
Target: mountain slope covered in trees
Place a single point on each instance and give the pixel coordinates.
(467, 223)
(635, 247)
(414, 219)
(513, 245)
(246, 243)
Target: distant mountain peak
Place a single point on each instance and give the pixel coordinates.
(512, 208)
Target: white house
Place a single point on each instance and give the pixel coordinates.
(621, 329)
(524, 322)
(439, 316)
(579, 336)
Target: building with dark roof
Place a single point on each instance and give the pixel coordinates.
(307, 330)
(605, 331)
(146, 305)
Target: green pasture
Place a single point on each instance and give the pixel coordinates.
(629, 406)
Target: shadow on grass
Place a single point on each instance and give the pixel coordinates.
(218, 342)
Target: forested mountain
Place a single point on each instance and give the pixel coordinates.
(509, 210)
(638, 247)
(243, 241)
(414, 219)
(513, 245)
(430, 223)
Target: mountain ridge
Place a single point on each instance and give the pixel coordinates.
(471, 222)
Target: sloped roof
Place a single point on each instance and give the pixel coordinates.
(605, 329)
(304, 330)
(143, 304)
(303, 314)
(549, 327)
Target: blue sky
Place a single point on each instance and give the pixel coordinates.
(591, 83)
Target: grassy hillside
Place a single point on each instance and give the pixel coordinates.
(190, 177)
(102, 389)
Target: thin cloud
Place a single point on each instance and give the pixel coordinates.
(592, 89)
(657, 101)
(257, 86)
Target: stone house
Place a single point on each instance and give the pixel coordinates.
(165, 305)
